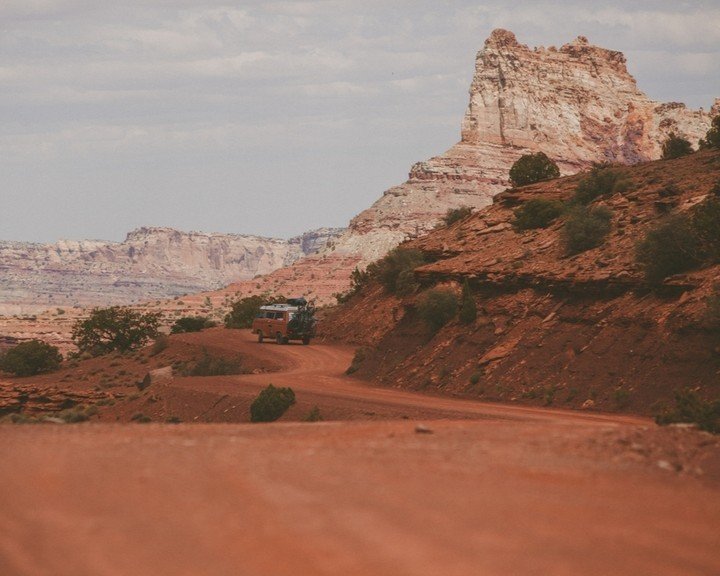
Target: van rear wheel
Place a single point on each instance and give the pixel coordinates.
(306, 340)
(278, 338)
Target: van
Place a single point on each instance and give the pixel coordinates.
(284, 322)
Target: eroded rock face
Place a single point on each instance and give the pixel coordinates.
(578, 104)
(151, 263)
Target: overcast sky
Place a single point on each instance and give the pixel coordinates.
(272, 118)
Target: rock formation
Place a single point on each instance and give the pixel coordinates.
(578, 104)
(151, 263)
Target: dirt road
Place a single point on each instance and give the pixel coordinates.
(515, 491)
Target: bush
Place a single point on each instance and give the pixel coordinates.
(358, 358)
(437, 307)
(314, 415)
(532, 168)
(114, 328)
(358, 280)
(271, 403)
(214, 366)
(468, 308)
(537, 213)
(189, 324)
(706, 223)
(243, 311)
(161, 343)
(690, 408)
(712, 138)
(30, 358)
(395, 270)
(455, 214)
(669, 248)
(599, 182)
(676, 147)
(585, 228)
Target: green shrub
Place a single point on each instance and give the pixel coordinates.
(271, 403)
(115, 328)
(358, 280)
(690, 408)
(214, 366)
(314, 415)
(599, 182)
(189, 324)
(676, 147)
(358, 358)
(161, 343)
(437, 307)
(712, 138)
(532, 168)
(537, 213)
(669, 248)
(474, 378)
(455, 214)
(468, 307)
(585, 228)
(395, 270)
(706, 223)
(243, 311)
(30, 358)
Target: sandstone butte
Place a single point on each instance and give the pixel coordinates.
(578, 104)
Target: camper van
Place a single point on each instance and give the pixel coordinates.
(293, 320)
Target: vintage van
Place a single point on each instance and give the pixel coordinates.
(284, 322)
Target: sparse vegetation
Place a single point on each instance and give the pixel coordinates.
(585, 228)
(600, 182)
(314, 415)
(140, 418)
(676, 147)
(475, 378)
(712, 138)
(161, 343)
(532, 168)
(31, 358)
(468, 307)
(358, 280)
(437, 307)
(190, 324)
(395, 270)
(271, 403)
(214, 366)
(245, 309)
(456, 214)
(537, 213)
(115, 328)
(691, 408)
(358, 358)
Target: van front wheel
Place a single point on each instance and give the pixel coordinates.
(306, 340)
(279, 338)
(260, 337)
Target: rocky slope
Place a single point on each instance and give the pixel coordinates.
(577, 103)
(584, 330)
(152, 263)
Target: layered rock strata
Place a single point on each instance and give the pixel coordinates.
(578, 104)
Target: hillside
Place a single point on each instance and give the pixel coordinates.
(582, 331)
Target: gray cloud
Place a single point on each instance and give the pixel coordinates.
(271, 117)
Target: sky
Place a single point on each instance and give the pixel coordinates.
(272, 117)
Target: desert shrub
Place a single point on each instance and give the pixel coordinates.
(585, 228)
(161, 343)
(358, 358)
(30, 358)
(77, 414)
(189, 324)
(314, 415)
(455, 214)
(537, 213)
(358, 280)
(437, 307)
(715, 190)
(532, 168)
(676, 147)
(214, 366)
(468, 308)
(690, 408)
(140, 418)
(474, 378)
(243, 311)
(115, 328)
(601, 181)
(271, 403)
(669, 248)
(712, 138)
(395, 270)
(706, 223)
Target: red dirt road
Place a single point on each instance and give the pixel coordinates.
(518, 491)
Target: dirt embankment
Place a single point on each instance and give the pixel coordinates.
(582, 331)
